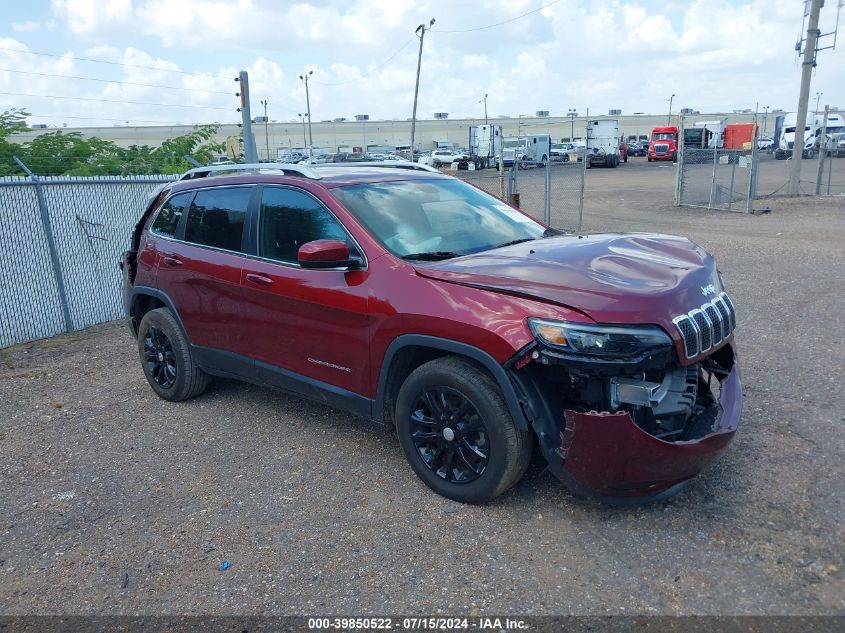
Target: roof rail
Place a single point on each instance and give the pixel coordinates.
(395, 164)
(215, 170)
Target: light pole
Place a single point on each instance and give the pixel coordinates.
(266, 132)
(304, 79)
(303, 116)
(420, 32)
(669, 118)
(572, 113)
(765, 118)
(818, 96)
(485, 107)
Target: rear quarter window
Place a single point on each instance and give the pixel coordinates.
(171, 211)
(217, 217)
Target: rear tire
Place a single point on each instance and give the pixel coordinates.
(457, 432)
(166, 357)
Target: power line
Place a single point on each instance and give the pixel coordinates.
(369, 72)
(104, 61)
(110, 81)
(491, 26)
(100, 118)
(147, 103)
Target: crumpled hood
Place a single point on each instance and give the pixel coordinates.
(612, 278)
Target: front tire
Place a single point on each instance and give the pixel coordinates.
(457, 432)
(166, 357)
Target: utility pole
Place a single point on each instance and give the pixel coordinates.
(420, 31)
(485, 107)
(304, 79)
(765, 118)
(266, 132)
(304, 140)
(669, 118)
(572, 113)
(807, 66)
(818, 97)
(250, 152)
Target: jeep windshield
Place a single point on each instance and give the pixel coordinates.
(429, 220)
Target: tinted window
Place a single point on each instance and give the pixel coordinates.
(217, 217)
(291, 218)
(170, 214)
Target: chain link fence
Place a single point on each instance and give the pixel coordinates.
(61, 239)
(552, 193)
(717, 178)
(822, 175)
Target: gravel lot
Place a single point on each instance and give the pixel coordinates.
(117, 502)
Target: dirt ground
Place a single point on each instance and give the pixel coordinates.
(116, 502)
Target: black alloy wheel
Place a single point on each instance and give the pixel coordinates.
(160, 358)
(449, 435)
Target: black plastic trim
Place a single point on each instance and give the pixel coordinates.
(161, 296)
(488, 362)
(230, 365)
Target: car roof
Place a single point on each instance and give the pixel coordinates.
(328, 175)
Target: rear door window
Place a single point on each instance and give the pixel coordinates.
(167, 220)
(291, 218)
(217, 217)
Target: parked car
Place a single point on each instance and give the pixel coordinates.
(838, 144)
(559, 153)
(439, 158)
(417, 300)
(636, 149)
(765, 143)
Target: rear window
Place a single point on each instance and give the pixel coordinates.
(217, 217)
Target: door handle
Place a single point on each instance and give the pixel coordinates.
(259, 279)
(172, 261)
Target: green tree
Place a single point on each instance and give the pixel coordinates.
(169, 158)
(12, 121)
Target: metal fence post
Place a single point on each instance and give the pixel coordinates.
(822, 151)
(679, 174)
(713, 177)
(583, 176)
(511, 183)
(51, 244)
(734, 158)
(755, 166)
(547, 206)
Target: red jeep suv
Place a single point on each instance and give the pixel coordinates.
(417, 300)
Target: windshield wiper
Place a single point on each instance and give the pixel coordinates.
(512, 242)
(432, 256)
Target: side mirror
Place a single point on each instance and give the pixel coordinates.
(325, 254)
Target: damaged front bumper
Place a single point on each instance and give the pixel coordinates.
(607, 456)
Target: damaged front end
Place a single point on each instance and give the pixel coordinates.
(618, 416)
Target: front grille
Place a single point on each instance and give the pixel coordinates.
(661, 149)
(705, 327)
(789, 144)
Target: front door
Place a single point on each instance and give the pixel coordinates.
(314, 324)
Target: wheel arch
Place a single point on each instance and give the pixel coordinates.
(143, 300)
(409, 351)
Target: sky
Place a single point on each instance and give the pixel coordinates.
(173, 61)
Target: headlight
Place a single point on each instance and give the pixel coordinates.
(611, 341)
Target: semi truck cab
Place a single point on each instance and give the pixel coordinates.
(663, 144)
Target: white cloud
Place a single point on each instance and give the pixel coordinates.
(601, 54)
(26, 27)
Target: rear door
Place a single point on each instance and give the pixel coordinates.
(200, 268)
(313, 323)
